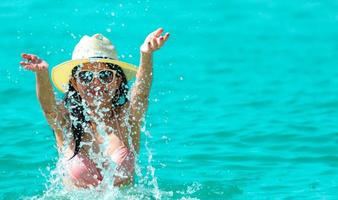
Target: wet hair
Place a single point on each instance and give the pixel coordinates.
(73, 103)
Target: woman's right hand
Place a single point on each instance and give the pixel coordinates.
(33, 63)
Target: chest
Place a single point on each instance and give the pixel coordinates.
(114, 132)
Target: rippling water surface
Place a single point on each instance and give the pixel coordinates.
(243, 104)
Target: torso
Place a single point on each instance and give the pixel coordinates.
(117, 130)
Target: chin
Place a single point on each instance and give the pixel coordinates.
(100, 97)
(98, 100)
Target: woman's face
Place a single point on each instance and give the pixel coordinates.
(96, 83)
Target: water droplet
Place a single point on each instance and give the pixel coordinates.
(73, 35)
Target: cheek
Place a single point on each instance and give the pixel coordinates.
(114, 85)
(109, 92)
(85, 91)
(82, 92)
(111, 89)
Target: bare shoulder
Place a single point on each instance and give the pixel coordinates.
(124, 109)
(126, 114)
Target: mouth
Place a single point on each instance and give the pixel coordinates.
(92, 93)
(95, 91)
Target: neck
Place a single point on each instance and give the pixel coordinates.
(101, 112)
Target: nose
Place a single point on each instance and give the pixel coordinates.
(96, 81)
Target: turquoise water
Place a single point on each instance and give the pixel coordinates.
(243, 104)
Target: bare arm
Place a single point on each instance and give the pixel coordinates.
(141, 88)
(139, 96)
(44, 91)
(140, 91)
(45, 95)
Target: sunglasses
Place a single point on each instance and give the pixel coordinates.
(105, 76)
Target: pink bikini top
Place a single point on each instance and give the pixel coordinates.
(84, 170)
(120, 154)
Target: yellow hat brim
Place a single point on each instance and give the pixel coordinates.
(62, 72)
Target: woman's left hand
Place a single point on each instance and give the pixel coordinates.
(154, 41)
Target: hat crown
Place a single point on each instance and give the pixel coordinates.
(94, 46)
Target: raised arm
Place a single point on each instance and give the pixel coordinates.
(45, 94)
(141, 89)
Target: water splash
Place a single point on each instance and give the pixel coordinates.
(58, 184)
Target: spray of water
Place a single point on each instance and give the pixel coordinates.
(58, 185)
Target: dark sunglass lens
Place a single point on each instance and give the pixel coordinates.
(86, 77)
(106, 76)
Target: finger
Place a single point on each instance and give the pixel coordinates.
(34, 67)
(154, 43)
(25, 56)
(159, 41)
(165, 37)
(33, 57)
(158, 32)
(25, 64)
(28, 67)
(29, 56)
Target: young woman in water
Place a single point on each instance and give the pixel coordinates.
(102, 123)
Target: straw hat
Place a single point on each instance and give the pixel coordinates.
(96, 48)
